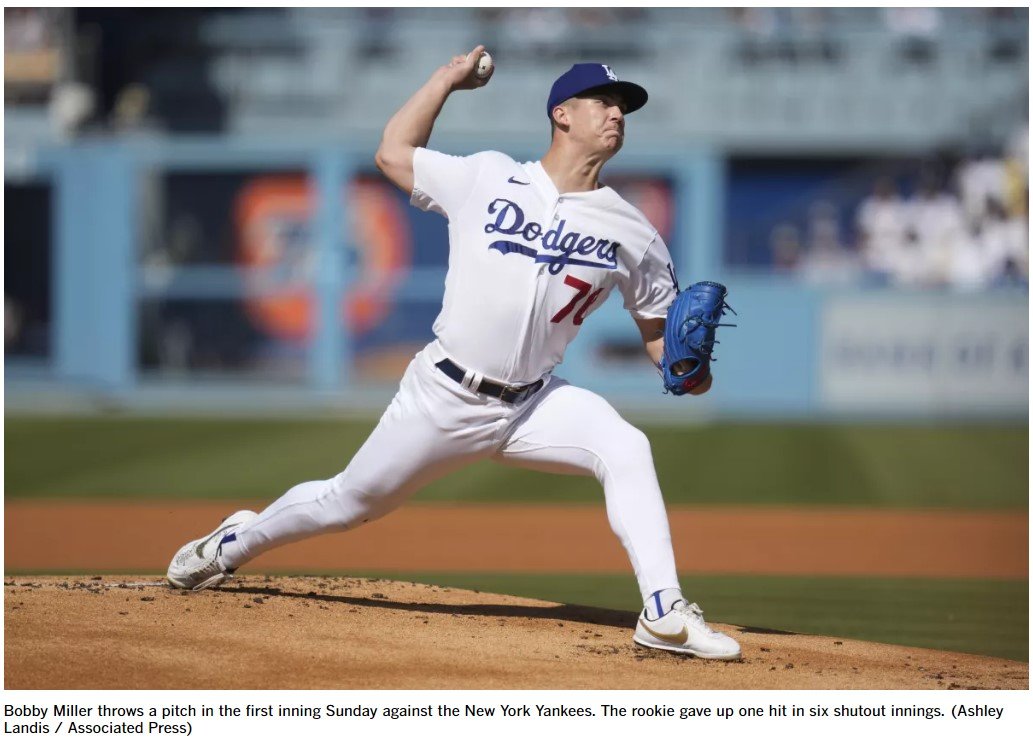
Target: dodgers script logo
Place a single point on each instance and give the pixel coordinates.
(509, 219)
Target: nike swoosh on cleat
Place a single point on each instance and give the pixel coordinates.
(680, 637)
(517, 182)
(200, 546)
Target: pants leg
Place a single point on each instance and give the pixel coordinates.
(571, 430)
(428, 430)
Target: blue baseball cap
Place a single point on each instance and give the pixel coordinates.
(581, 78)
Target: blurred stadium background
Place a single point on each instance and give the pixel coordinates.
(195, 231)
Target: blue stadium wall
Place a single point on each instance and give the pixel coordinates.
(799, 351)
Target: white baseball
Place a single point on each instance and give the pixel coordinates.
(484, 64)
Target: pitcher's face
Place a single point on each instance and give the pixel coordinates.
(596, 120)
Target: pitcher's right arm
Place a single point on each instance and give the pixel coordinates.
(411, 126)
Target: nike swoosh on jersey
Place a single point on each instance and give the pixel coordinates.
(517, 182)
(200, 546)
(680, 637)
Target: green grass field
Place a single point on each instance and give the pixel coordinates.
(880, 466)
(977, 466)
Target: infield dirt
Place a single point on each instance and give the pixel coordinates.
(337, 632)
(260, 632)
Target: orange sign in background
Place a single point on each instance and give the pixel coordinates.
(273, 217)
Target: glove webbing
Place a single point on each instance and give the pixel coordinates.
(692, 322)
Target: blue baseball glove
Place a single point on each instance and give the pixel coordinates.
(689, 335)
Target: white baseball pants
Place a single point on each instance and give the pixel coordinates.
(434, 425)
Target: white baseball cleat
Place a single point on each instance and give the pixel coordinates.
(683, 630)
(197, 565)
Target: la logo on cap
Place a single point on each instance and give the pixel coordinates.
(594, 76)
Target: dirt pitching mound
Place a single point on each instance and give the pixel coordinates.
(343, 633)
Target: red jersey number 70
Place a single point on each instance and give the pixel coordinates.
(583, 289)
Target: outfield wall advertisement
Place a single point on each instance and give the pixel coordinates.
(885, 354)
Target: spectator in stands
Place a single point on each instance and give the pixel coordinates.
(996, 255)
(937, 240)
(971, 267)
(882, 228)
(936, 221)
(980, 180)
(1005, 242)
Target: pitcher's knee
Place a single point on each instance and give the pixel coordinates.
(630, 449)
(638, 446)
(350, 506)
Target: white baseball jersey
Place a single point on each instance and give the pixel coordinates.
(526, 267)
(528, 264)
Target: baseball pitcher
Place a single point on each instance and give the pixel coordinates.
(534, 249)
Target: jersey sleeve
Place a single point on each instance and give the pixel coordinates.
(650, 286)
(442, 182)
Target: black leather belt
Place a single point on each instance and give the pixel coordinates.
(508, 394)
